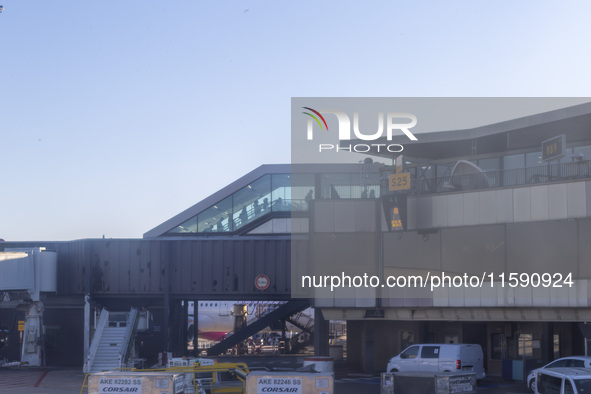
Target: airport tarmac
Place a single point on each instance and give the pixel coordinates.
(34, 380)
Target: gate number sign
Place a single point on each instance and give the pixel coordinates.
(399, 181)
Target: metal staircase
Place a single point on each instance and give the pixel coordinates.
(288, 309)
(306, 337)
(112, 341)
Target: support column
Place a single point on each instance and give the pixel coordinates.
(86, 326)
(184, 327)
(547, 342)
(33, 346)
(166, 333)
(196, 328)
(321, 335)
(368, 340)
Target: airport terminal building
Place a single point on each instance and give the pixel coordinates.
(508, 204)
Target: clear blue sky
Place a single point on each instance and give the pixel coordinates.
(117, 115)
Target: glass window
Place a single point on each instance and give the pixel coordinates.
(548, 384)
(281, 192)
(533, 159)
(430, 352)
(526, 345)
(584, 150)
(190, 226)
(568, 387)
(567, 158)
(514, 161)
(492, 164)
(335, 186)
(557, 346)
(496, 346)
(369, 186)
(444, 170)
(577, 364)
(302, 191)
(217, 218)
(411, 352)
(248, 201)
(583, 385)
(513, 166)
(491, 167)
(559, 364)
(537, 170)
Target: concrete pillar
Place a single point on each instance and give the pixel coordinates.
(354, 345)
(321, 335)
(86, 326)
(368, 342)
(196, 328)
(547, 342)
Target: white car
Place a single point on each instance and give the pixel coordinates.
(563, 381)
(439, 357)
(565, 362)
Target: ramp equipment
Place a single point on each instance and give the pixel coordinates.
(288, 309)
(113, 341)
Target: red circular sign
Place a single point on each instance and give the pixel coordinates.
(262, 282)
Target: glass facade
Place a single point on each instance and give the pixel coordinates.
(302, 191)
(585, 151)
(281, 193)
(292, 192)
(358, 185)
(217, 218)
(492, 164)
(277, 193)
(511, 166)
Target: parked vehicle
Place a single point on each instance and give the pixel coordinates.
(440, 358)
(563, 381)
(565, 362)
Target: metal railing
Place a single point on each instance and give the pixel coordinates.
(503, 178)
(130, 329)
(100, 327)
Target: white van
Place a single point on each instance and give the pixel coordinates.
(435, 357)
(563, 381)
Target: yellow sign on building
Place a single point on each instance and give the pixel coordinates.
(399, 181)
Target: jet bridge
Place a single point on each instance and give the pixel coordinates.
(26, 273)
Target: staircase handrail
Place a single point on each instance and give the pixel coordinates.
(100, 327)
(271, 306)
(130, 328)
(289, 308)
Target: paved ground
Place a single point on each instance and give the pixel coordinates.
(371, 385)
(29, 380)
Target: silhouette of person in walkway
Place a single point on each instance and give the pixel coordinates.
(243, 216)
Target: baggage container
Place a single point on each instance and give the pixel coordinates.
(136, 382)
(428, 383)
(263, 382)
